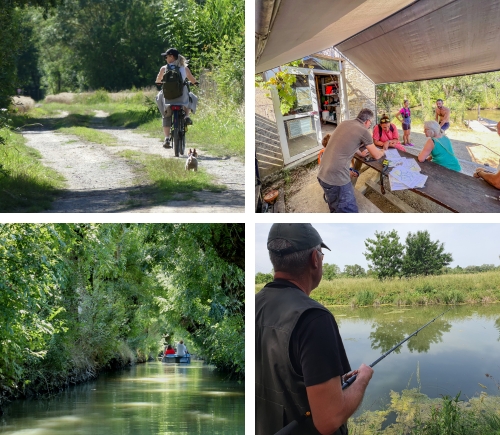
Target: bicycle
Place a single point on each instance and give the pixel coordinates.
(178, 127)
(178, 130)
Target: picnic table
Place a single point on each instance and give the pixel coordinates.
(453, 190)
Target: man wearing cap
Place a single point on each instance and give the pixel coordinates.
(188, 100)
(300, 359)
(334, 175)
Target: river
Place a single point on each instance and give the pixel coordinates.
(458, 352)
(146, 399)
(492, 114)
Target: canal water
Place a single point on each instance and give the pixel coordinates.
(147, 399)
(459, 352)
(492, 114)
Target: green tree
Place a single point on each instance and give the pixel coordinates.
(263, 278)
(384, 254)
(330, 271)
(204, 287)
(423, 256)
(354, 270)
(13, 41)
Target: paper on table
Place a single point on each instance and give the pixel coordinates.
(410, 178)
(412, 165)
(392, 153)
(395, 184)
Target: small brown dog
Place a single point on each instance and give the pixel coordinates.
(192, 160)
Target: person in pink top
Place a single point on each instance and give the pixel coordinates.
(386, 135)
(404, 116)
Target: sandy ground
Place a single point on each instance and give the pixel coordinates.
(98, 180)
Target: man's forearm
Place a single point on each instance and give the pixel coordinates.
(493, 179)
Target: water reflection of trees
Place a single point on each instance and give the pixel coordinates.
(387, 334)
(497, 326)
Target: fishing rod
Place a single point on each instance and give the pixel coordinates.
(294, 424)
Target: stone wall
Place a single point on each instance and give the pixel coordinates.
(267, 141)
(360, 90)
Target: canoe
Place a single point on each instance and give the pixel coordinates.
(172, 359)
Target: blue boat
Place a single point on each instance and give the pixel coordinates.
(174, 358)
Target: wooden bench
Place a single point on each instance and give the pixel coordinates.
(453, 190)
(311, 200)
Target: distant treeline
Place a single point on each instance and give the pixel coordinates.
(332, 271)
(75, 45)
(388, 258)
(458, 93)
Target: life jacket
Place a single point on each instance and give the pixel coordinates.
(173, 83)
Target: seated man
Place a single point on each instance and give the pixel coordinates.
(489, 177)
(181, 348)
(386, 135)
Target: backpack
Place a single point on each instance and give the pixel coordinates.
(173, 84)
(406, 114)
(391, 128)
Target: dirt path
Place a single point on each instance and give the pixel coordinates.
(98, 180)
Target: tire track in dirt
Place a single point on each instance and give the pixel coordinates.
(101, 181)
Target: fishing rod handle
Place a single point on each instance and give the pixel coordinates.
(288, 428)
(349, 381)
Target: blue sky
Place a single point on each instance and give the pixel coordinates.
(469, 244)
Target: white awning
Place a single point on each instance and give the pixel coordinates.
(287, 30)
(393, 41)
(430, 39)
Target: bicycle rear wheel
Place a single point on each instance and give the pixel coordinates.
(182, 136)
(177, 139)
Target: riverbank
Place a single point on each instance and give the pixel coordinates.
(411, 412)
(440, 289)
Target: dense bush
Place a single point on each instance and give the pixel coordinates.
(77, 298)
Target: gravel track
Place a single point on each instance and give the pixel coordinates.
(98, 180)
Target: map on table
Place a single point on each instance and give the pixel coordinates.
(404, 178)
(406, 173)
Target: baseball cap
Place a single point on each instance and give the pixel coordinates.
(301, 236)
(171, 51)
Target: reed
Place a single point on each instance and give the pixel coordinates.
(423, 290)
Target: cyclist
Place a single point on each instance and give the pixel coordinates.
(188, 99)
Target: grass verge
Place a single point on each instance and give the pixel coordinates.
(218, 127)
(91, 135)
(441, 289)
(25, 184)
(170, 179)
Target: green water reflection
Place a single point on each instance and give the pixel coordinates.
(152, 398)
(492, 114)
(452, 354)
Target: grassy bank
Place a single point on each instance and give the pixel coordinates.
(411, 412)
(25, 184)
(442, 289)
(169, 178)
(218, 127)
